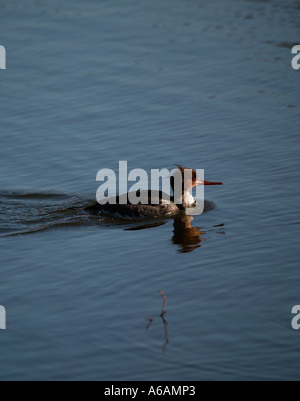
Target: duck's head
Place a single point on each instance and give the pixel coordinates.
(190, 178)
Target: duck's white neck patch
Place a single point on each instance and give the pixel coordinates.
(188, 199)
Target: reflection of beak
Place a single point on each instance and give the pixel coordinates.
(200, 182)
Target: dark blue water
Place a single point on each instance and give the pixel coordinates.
(205, 84)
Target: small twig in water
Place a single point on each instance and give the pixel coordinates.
(164, 305)
(162, 315)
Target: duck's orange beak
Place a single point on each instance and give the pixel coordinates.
(212, 183)
(200, 182)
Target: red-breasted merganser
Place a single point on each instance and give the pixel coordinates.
(159, 203)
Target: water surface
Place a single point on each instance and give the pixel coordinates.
(204, 84)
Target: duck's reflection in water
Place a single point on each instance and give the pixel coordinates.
(187, 237)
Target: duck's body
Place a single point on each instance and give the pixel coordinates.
(155, 203)
(156, 207)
